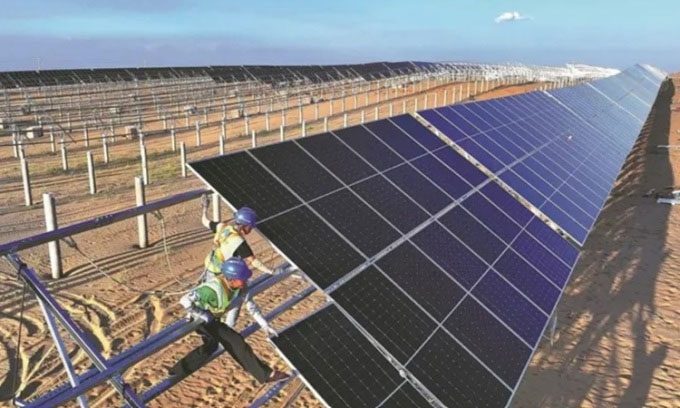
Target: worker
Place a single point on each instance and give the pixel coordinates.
(229, 241)
(208, 302)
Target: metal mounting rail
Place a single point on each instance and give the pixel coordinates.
(49, 236)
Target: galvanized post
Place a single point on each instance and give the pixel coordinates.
(173, 140)
(53, 146)
(64, 156)
(325, 124)
(344, 120)
(266, 121)
(145, 168)
(105, 147)
(86, 135)
(303, 128)
(391, 108)
(53, 247)
(216, 207)
(403, 106)
(183, 158)
(90, 173)
(141, 219)
(363, 116)
(282, 135)
(198, 133)
(254, 139)
(316, 111)
(26, 178)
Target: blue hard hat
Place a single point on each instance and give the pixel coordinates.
(236, 268)
(245, 216)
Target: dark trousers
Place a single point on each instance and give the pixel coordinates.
(233, 343)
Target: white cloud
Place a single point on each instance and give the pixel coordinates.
(510, 16)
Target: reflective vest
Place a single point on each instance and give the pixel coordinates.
(223, 297)
(226, 240)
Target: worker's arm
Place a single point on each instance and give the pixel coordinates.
(194, 303)
(254, 311)
(255, 263)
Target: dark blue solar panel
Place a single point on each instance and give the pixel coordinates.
(450, 254)
(489, 340)
(542, 259)
(495, 149)
(443, 125)
(482, 155)
(395, 138)
(442, 176)
(370, 148)
(399, 209)
(563, 220)
(460, 165)
(519, 213)
(472, 233)
(528, 280)
(336, 157)
(421, 279)
(492, 217)
(522, 188)
(418, 188)
(511, 307)
(553, 241)
(419, 132)
(458, 121)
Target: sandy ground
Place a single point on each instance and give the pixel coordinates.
(115, 316)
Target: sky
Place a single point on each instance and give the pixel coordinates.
(50, 34)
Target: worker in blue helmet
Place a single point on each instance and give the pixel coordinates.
(208, 302)
(229, 240)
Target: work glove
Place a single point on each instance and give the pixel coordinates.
(198, 314)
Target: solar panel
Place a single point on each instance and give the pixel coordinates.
(560, 150)
(408, 239)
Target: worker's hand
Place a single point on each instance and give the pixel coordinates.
(198, 314)
(270, 332)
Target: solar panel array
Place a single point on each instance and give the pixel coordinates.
(446, 272)
(441, 282)
(561, 150)
(268, 74)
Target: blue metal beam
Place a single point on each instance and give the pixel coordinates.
(67, 231)
(43, 295)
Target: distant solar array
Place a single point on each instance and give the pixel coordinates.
(269, 74)
(441, 281)
(561, 150)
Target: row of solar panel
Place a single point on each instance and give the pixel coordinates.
(561, 150)
(427, 260)
(435, 275)
(266, 74)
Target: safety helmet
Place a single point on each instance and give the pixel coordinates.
(245, 216)
(236, 268)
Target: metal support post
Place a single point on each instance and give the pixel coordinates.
(216, 207)
(90, 173)
(64, 156)
(53, 248)
(26, 178)
(282, 135)
(173, 140)
(198, 133)
(183, 159)
(140, 200)
(145, 167)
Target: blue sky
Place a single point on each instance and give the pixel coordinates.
(114, 33)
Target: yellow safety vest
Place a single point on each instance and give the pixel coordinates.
(223, 298)
(226, 240)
